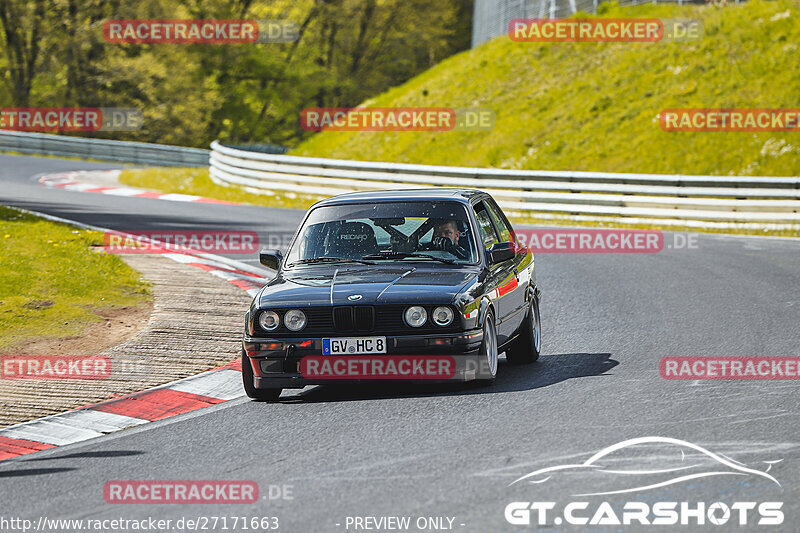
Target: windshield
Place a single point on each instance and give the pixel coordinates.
(400, 231)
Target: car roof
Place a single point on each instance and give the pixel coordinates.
(398, 195)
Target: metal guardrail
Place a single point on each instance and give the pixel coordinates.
(650, 198)
(103, 149)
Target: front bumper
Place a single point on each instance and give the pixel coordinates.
(276, 361)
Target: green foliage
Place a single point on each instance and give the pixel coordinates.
(191, 94)
(52, 284)
(594, 106)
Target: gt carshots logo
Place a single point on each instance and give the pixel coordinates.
(681, 461)
(643, 513)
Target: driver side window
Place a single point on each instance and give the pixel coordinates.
(494, 212)
(488, 234)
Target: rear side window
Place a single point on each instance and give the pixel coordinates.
(488, 234)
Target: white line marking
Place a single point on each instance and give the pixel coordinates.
(175, 197)
(49, 432)
(99, 421)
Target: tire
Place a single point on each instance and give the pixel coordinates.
(528, 345)
(489, 354)
(262, 395)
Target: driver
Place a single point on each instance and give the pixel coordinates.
(446, 237)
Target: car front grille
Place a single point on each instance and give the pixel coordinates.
(354, 319)
(359, 319)
(343, 319)
(364, 318)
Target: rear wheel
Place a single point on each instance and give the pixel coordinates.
(528, 345)
(263, 395)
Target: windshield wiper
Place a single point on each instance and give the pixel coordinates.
(403, 255)
(312, 260)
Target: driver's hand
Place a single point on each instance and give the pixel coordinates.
(443, 243)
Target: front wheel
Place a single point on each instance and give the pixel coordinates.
(263, 395)
(489, 355)
(528, 345)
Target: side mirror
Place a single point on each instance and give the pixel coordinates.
(271, 258)
(501, 251)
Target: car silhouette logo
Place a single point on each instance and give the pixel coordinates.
(630, 478)
(354, 297)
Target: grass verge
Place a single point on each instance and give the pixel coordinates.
(52, 285)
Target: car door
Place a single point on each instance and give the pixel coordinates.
(514, 289)
(501, 279)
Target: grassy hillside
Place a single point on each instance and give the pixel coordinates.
(593, 106)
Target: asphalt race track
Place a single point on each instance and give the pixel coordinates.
(452, 451)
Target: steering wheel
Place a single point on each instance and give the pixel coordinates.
(446, 245)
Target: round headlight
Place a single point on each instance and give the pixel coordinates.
(269, 320)
(416, 315)
(442, 316)
(295, 319)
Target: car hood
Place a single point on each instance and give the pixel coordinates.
(374, 285)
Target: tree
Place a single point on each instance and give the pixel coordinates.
(21, 23)
(346, 51)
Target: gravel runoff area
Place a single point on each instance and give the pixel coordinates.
(195, 326)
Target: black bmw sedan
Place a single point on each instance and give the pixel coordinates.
(425, 284)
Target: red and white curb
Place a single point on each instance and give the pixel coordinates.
(70, 181)
(182, 396)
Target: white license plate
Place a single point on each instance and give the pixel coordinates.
(353, 345)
